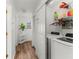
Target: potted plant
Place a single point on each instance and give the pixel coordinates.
(22, 26)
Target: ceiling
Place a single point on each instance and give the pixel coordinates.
(26, 5)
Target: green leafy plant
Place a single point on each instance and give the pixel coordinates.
(22, 26)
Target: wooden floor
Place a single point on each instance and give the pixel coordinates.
(25, 51)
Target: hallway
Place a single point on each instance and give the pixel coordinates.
(25, 51)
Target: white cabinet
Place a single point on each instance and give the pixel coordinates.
(60, 51)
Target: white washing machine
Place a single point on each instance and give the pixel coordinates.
(60, 47)
(60, 50)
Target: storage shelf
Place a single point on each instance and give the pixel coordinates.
(65, 19)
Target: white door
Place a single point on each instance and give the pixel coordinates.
(61, 51)
(9, 31)
(40, 33)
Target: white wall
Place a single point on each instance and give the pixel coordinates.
(14, 32)
(10, 30)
